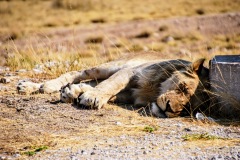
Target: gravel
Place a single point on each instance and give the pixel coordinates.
(36, 116)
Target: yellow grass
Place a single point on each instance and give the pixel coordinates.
(188, 46)
(20, 17)
(25, 18)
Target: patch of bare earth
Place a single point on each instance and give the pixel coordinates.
(116, 131)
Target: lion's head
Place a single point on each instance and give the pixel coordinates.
(185, 90)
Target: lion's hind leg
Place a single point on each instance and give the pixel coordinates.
(97, 73)
(51, 86)
(101, 72)
(55, 85)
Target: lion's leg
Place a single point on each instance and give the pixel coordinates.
(100, 95)
(101, 72)
(25, 87)
(72, 91)
(50, 86)
(97, 73)
(54, 85)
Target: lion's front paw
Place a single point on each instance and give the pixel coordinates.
(93, 99)
(71, 91)
(28, 87)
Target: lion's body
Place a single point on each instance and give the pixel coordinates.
(144, 79)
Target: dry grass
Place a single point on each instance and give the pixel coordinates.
(54, 62)
(203, 136)
(50, 15)
(99, 49)
(31, 16)
(97, 39)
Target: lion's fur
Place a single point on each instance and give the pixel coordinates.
(142, 79)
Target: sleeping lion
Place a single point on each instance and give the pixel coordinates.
(170, 87)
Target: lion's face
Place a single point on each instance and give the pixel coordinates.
(177, 92)
(181, 90)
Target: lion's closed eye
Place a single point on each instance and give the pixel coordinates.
(183, 88)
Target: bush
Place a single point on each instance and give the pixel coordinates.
(200, 11)
(144, 34)
(84, 5)
(163, 28)
(98, 39)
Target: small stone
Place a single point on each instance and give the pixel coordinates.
(232, 15)
(22, 70)
(220, 156)
(145, 48)
(118, 123)
(187, 129)
(214, 158)
(179, 125)
(93, 153)
(168, 39)
(37, 71)
(5, 80)
(200, 116)
(227, 158)
(73, 157)
(144, 152)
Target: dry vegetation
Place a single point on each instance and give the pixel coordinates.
(23, 18)
(34, 15)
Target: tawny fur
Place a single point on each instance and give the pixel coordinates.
(169, 84)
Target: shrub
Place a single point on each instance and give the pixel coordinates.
(163, 28)
(150, 129)
(98, 20)
(144, 34)
(84, 5)
(200, 11)
(98, 39)
(136, 48)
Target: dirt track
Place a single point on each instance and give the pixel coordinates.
(114, 132)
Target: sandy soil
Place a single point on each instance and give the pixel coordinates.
(65, 131)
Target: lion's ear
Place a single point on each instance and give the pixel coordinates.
(198, 65)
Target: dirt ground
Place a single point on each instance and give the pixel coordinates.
(37, 127)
